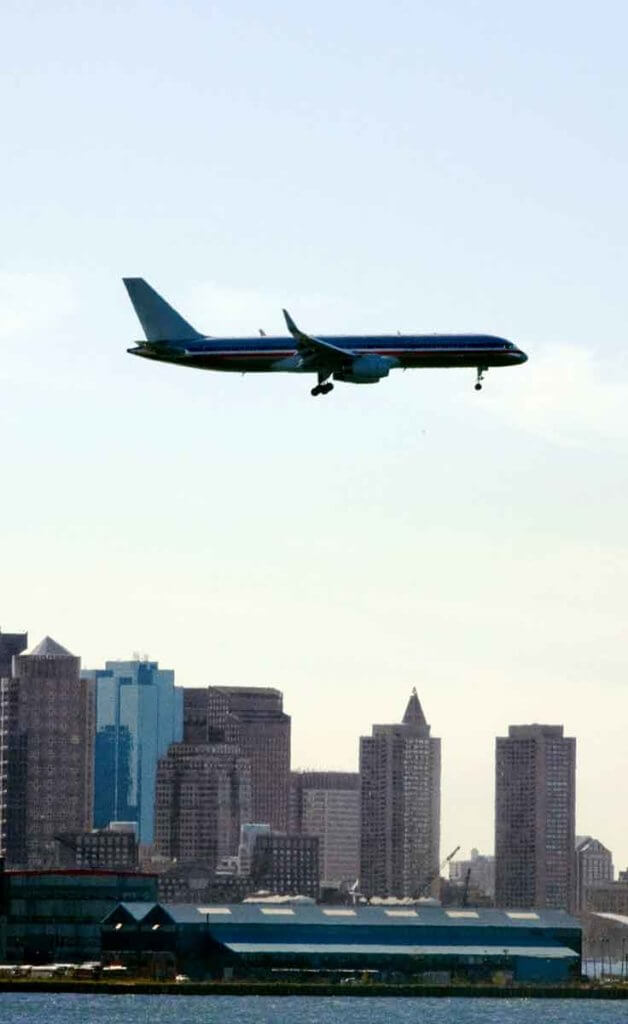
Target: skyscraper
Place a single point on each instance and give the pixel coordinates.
(139, 713)
(400, 806)
(47, 712)
(535, 796)
(203, 797)
(253, 719)
(327, 805)
(10, 645)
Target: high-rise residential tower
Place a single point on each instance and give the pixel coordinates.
(139, 713)
(400, 806)
(327, 805)
(253, 719)
(48, 716)
(203, 799)
(535, 795)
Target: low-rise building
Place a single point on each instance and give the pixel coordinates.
(114, 848)
(594, 867)
(55, 916)
(257, 939)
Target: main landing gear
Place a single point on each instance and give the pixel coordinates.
(322, 388)
(480, 377)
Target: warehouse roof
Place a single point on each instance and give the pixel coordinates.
(317, 914)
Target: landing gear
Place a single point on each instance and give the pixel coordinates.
(480, 377)
(322, 388)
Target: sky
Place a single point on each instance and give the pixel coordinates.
(414, 166)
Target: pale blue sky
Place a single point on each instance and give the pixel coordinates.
(412, 166)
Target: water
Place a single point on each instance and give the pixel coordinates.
(44, 1008)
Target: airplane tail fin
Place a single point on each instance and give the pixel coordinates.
(160, 321)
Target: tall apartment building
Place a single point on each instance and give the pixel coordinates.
(535, 797)
(203, 796)
(253, 719)
(594, 867)
(327, 805)
(47, 716)
(139, 713)
(400, 806)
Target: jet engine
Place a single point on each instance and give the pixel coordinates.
(366, 369)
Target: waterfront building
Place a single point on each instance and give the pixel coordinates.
(400, 807)
(253, 719)
(203, 796)
(535, 796)
(139, 713)
(262, 939)
(47, 714)
(327, 805)
(55, 916)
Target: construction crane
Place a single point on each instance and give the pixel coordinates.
(465, 891)
(435, 874)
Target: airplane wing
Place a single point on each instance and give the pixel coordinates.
(316, 351)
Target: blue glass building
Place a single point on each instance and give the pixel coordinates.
(139, 713)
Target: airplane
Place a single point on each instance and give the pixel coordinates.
(354, 359)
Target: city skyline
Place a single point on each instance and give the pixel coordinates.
(481, 834)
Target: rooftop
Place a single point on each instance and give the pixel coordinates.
(49, 648)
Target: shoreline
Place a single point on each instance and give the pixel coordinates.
(362, 991)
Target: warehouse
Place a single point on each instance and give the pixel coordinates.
(261, 940)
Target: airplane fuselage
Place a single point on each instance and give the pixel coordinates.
(267, 354)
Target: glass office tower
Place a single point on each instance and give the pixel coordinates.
(139, 713)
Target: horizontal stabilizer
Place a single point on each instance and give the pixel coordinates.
(160, 321)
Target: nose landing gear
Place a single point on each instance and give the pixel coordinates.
(480, 377)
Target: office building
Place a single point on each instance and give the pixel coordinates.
(253, 719)
(11, 644)
(248, 837)
(400, 807)
(203, 796)
(139, 713)
(286, 865)
(48, 720)
(327, 805)
(535, 817)
(594, 867)
(114, 848)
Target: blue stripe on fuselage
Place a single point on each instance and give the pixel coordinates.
(353, 343)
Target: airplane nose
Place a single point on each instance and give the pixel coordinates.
(522, 357)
